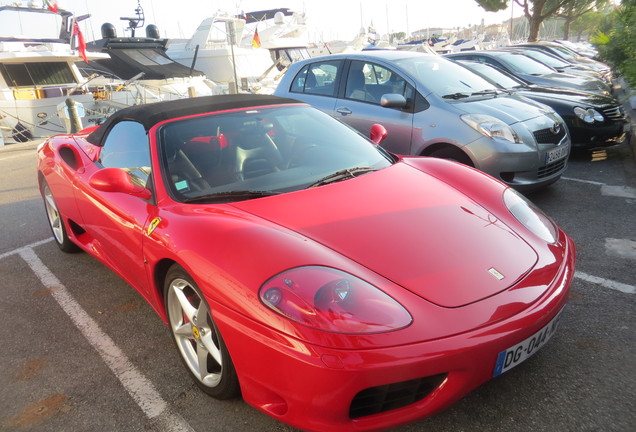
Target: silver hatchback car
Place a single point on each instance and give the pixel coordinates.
(431, 106)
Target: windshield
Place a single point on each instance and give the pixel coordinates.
(523, 64)
(443, 77)
(564, 52)
(29, 24)
(546, 59)
(493, 74)
(260, 152)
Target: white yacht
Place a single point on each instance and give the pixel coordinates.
(215, 50)
(38, 73)
(142, 63)
(281, 31)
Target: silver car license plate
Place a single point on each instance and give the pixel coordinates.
(556, 154)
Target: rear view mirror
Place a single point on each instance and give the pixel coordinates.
(117, 180)
(378, 133)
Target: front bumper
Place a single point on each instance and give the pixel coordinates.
(590, 136)
(312, 387)
(524, 165)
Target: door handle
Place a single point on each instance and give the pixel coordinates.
(344, 111)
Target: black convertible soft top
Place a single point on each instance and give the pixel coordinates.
(151, 114)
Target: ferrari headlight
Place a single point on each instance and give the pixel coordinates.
(588, 115)
(530, 216)
(332, 300)
(491, 127)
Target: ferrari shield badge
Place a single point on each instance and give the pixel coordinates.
(153, 224)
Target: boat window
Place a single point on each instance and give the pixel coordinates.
(148, 57)
(29, 24)
(317, 78)
(126, 146)
(37, 74)
(221, 31)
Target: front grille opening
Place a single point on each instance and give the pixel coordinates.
(551, 168)
(613, 112)
(379, 399)
(547, 136)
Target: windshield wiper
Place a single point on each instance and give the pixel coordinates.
(341, 175)
(231, 195)
(458, 95)
(485, 92)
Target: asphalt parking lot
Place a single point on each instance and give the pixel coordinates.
(82, 351)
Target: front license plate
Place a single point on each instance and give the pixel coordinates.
(556, 154)
(511, 357)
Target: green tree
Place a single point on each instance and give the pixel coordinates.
(616, 40)
(535, 11)
(586, 24)
(575, 9)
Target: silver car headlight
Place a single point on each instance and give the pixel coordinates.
(588, 115)
(530, 216)
(491, 127)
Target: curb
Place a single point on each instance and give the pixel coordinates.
(627, 97)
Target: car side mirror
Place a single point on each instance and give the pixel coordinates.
(378, 133)
(393, 100)
(117, 180)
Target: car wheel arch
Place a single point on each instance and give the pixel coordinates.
(160, 273)
(448, 151)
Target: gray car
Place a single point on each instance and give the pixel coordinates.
(532, 71)
(431, 106)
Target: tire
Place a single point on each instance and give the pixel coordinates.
(56, 221)
(197, 337)
(453, 154)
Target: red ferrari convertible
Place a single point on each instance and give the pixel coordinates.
(335, 286)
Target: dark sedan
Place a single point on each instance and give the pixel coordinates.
(531, 71)
(593, 120)
(568, 55)
(558, 63)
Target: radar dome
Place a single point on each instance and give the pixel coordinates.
(152, 31)
(108, 31)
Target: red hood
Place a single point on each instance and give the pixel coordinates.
(425, 236)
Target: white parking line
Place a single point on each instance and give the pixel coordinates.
(29, 246)
(622, 248)
(583, 181)
(141, 390)
(618, 191)
(608, 190)
(618, 286)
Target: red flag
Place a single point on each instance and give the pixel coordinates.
(81, 43)
(52, 7)
(256, 41)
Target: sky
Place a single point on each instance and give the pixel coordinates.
(326, 19)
